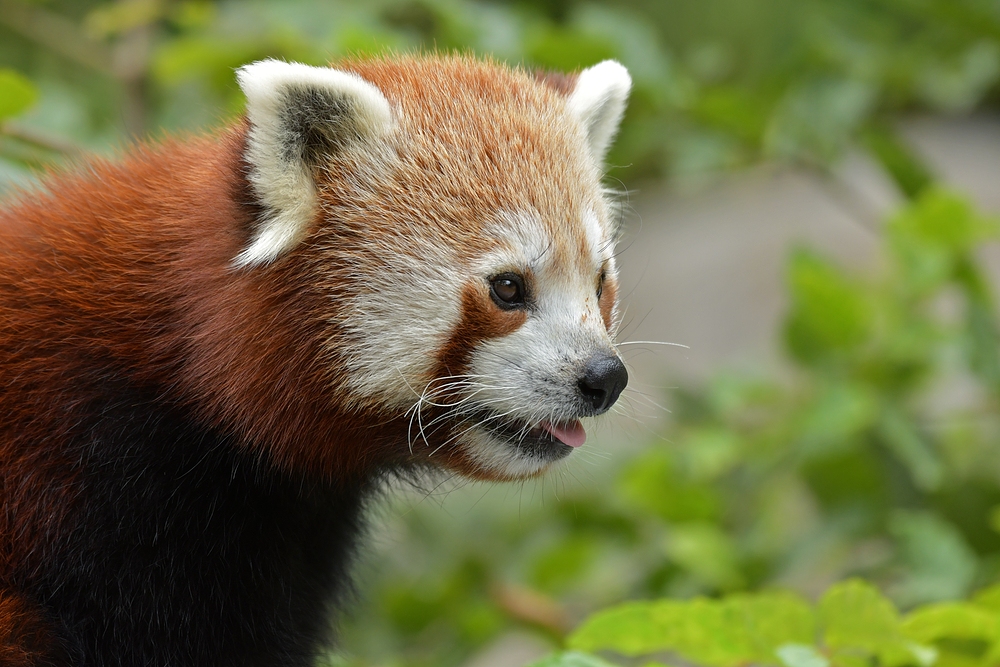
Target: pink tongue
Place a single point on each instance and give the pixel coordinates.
(571, 433)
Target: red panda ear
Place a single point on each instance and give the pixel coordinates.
(598, 102)
(299, 115)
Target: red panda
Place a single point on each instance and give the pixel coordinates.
(213, 352)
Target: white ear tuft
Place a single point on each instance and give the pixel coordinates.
(598, 102)
(298, 114)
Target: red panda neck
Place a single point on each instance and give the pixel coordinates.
(262, 362)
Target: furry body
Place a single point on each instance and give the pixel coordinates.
(213, 352)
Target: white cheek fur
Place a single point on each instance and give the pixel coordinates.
(398, 323)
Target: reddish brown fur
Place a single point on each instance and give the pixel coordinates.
(481, 320)
(131, 263)
(121, 264)
(492, 127)
(143, 276)
(26, 639)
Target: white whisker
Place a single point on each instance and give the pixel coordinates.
(653, 342)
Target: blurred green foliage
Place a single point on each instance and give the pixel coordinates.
(852, 625)
(718, 84)
(859, 464)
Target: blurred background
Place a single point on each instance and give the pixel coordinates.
(810, 188)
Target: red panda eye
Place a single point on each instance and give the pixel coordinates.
(600, 284)
(507, 290)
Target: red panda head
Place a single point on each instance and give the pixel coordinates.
(452, 211)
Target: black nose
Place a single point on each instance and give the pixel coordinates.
(604, 377)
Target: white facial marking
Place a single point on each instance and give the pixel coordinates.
(597, 239)
(281, 176)
(401, 317)
(522, 243)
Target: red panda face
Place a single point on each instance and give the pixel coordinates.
(544, 312)
(455, 217)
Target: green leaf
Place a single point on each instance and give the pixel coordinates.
(982, 334)
(944, 220)
(960, 633)
(651, 484)
(924, 655)
(721, 633)
(710, 452)
(748, 628)
(908, 171)
(633, 628)
(951, 620)
(568, 49)
(957, 86)
(116, 18)
(840, 412)
(855, 615)
(734, 110)
(16, 93)
(571, 659)
(357, 40)
(564, 564)
(716, 633)
(777, 619)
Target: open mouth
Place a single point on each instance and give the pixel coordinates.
(568, 433)
(563, 435)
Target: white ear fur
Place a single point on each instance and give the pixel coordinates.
(598, 102)
(297, 114)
